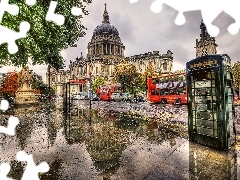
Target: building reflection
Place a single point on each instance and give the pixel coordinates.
(207, 163)
(109, 133)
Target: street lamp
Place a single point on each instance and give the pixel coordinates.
(49, 87)
(89, 85)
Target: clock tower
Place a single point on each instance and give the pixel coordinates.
(206, 44)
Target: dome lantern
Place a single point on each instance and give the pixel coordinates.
(105, 15)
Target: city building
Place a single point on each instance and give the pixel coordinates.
(206, 45)
(105, 51)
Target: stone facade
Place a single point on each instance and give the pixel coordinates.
(206, 44)
(105, 51)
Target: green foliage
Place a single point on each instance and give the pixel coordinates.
(40, 85)
(126, 74)
(236, 74)
(98, 82)
(45, 90)
(45, 39)
(150, 72)
(37, 81)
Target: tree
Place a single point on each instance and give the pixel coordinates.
(236, 75)
(98, 82)
(37, 81)
(45, 90)
(150, 72)
(10, 84)
(126, 74)
(45, 39)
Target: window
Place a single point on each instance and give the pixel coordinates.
(155, 81)
(117, 88)
(165, 66)
(171, 91)
(164, 92)
(104, 49)
(152, 92)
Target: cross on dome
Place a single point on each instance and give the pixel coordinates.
(105, 15)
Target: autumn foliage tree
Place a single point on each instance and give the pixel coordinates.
(126, 74)
(98, 82)
(10, 84)
(149, 72)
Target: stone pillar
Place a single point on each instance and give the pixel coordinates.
(101, 49)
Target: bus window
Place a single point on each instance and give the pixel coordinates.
(155, 81)
(172, 91)
(118, 88)
(180, 91)
(152, 92)
(157, 91)
(164, 92)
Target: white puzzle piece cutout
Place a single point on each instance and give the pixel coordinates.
(209, 9)
(4, 170)
(7, 35)
(51, 16)
(31, 171)
(4, 105)
(10, 129)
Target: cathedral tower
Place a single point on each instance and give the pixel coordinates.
(206, 45)
(105, 49)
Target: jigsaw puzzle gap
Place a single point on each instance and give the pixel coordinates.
(76, 11)
(30, 2)
(4, 105)
(4, 170)
(51, 16)
(31, 170)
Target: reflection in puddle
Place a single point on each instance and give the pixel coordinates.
(111, 144)
(206, 163)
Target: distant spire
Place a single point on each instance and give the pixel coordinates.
(105, 15)
(204, 34)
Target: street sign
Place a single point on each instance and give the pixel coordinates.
(78, 81)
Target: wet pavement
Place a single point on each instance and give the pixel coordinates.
(118, 141)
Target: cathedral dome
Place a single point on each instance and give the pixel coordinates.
(105, 29)
(105, 40)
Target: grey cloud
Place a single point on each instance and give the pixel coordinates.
(142, 31)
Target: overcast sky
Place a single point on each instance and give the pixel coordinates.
(143, 31)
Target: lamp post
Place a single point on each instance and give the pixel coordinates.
(146, 81)
(49, 87)
(90, 97)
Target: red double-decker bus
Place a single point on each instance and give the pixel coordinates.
(170, 88)
(105, 91)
